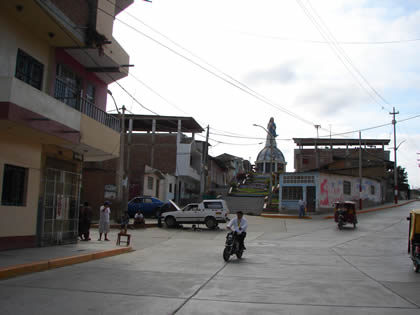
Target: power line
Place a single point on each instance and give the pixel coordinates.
(339, 51)
(96, 63)
(236, 83)
(310, 41)
(369, 128)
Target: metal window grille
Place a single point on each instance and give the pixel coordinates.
(292, 193)
(60, 209)
(29, 70)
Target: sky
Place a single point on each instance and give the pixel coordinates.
(343, 65)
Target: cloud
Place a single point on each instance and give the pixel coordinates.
(283, 74)
(331, 100)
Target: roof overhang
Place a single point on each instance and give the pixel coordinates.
(339, 142)
(163, 123)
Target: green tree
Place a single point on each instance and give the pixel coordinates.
(402, 179)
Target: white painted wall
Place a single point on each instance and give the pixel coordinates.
(183, 167)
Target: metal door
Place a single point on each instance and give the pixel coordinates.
(60, 210)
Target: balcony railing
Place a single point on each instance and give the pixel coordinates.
(71, 97)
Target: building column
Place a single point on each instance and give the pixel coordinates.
(177, 182)
(152, 151)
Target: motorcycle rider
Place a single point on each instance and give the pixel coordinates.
(239, 226)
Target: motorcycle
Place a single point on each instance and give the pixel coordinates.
(345, 213)
(232, 247)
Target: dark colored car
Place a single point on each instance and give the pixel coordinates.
(148, 206)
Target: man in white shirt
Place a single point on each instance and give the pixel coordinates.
(239, 225)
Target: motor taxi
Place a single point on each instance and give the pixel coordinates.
(414, 238)
(345, 213)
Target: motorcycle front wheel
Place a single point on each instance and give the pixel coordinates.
(226, 254)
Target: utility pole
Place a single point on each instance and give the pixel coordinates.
(205, 169)
(126, 185)
(394, 122)
(121, 167)
(360, 170)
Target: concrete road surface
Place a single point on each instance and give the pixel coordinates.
(290, 267)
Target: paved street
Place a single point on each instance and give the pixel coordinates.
(290, 267)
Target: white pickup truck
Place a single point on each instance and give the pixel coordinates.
(208, 212)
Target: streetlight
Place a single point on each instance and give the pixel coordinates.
(271, 163)
(116, 107)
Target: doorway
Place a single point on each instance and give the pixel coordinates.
(310, 198)
(60, 207)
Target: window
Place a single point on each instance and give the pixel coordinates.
(29, 70)
(14, 186)
(347, 188)
(170, 187)
(67, 86)
(292, 193)
(213, 205)
(90, 93)
(372, 189)
(294, 179)
(149, 183)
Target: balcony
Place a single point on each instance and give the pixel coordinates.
(71, 96)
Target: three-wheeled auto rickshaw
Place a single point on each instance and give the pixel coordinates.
(414, 238)
(345, 213)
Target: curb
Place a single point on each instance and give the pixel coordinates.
(284, 216)
(377, 209)
(23, 269)
(130, 226)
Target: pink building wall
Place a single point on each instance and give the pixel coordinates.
(331, 190)
(101, 88)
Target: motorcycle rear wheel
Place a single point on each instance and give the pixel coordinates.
(239, 253)
(226, 254)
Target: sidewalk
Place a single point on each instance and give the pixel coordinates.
(22, 261)
(331, 216)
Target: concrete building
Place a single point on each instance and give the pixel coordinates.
(235, 166)
(164, 162)
(321, 190)
(327, 170)
(217, 173)
(57, 59)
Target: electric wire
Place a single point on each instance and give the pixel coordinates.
(310, 41)
(139, 103)
(323, 29)
(241, 86)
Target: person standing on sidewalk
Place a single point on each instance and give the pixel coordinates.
(86, 218)
(104, 213)
(301, 208)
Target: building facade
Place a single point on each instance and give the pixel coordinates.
(321, 190)
(57, 60)
(163, 163)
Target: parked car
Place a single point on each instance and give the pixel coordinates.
(149, 206)
(208, 212)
